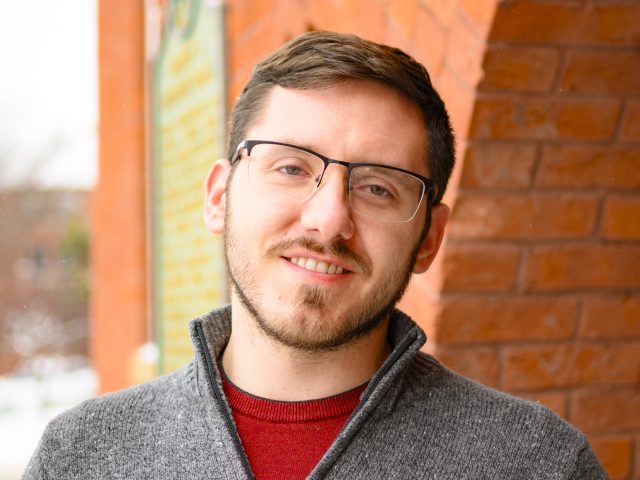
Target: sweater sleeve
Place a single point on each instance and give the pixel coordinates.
(35, 469)
(588, 467)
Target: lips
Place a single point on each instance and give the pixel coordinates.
(317, 266)
(333, 259)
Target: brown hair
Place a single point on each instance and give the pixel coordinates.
(322, 59)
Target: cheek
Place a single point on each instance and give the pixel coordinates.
(256, 218)
(377, 243)
(393, 245)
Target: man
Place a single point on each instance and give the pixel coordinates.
(330, 198)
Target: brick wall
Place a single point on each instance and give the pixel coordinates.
(537, 291)
(549, 191)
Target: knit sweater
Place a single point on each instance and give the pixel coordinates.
(416, 419)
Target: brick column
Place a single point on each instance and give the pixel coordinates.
(541, 272)
(118, 295)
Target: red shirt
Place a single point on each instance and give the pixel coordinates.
(287, 439)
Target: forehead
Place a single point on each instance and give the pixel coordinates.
(356, 120)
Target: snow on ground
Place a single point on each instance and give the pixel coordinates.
(27, 403)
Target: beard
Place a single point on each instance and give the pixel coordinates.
(301, 330)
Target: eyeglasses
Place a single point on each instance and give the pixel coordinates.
(292, 174)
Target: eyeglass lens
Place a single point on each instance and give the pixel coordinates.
(291, 175)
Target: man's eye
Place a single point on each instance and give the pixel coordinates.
(378, 191)
(373, 191)
(293, 170)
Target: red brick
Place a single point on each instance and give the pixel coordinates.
(404, 13)
(544, 118)
(571, 267)
(615, 453)
(479, 12)
(606, 410)
(465, 51)
(394, 37)
(255, 44)
(372, 20)
(498, 319)
(522, 21)
(295, 15)
(525, 69)
(585, 166)
(421, 302)
(118, 309)
(568, 23)
(480, 364)
(516, 216)
(498, 165)
(335, 16)
(615, 363)
(601, 71)
(237, 82)
(636, 475)
(241, 16)
(458, 97)
(443, 10)
(621, 218)
(556, 401)
(630, 128)
(613, 23)
(569, 365)
(611, 317)
(430, 41)
(479, 268)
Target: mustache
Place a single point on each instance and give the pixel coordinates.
(335, 249)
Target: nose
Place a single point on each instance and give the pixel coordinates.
(327, 213)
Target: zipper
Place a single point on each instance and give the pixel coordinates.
(219, 396)
(395, 355)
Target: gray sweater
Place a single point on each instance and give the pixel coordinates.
(416, 419)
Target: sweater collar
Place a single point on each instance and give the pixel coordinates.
(405, 339)
(217, 327)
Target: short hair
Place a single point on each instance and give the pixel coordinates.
(322, 59)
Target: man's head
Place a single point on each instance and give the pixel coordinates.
(319, 60)
(321, 239)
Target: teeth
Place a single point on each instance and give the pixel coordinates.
(315, 266)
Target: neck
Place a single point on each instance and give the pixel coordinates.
(263, 367)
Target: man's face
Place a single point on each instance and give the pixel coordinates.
(273, 247)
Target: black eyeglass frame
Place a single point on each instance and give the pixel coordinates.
(430, 187)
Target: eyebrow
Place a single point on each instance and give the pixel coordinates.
(316, 149)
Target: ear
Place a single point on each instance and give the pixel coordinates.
(433, 239)
(215, 196)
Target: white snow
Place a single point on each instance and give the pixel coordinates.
(27, 403)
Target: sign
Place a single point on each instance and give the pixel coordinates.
(185, 43)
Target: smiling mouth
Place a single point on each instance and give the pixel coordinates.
(316, 266)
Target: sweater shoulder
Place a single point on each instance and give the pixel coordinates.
(119, 415)
(467, 399)
(138, 399)
(480, 422)
(138, 432)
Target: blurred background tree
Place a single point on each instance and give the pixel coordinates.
(44, 257)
